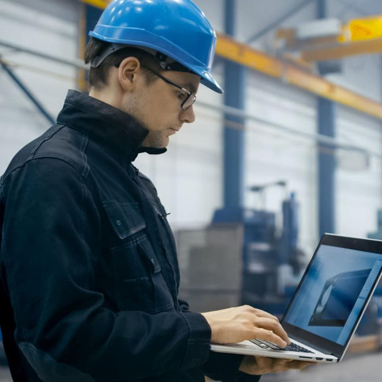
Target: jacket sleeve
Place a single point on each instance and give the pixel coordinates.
(51, 241)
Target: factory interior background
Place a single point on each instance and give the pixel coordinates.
(290, 151)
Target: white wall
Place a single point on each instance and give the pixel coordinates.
(214, 10)
(362, 75)
(20, 121)
(359, 193)
(273, 154)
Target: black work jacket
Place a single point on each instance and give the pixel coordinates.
(89, 275)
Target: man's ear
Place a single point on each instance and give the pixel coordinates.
(127, 73)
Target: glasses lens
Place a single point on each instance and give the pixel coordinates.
(189, 102)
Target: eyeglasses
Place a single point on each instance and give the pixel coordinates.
(188, 98)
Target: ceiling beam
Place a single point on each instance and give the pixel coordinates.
(255, 59)
(271, 66)
(339, 51)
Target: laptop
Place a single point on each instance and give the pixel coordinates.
(328, 304)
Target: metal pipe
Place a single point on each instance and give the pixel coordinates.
(277, 22)
(225, 109)
(266, 64)
(71, 62)
(28, 93)
(319, 138)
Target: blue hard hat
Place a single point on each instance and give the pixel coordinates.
(175, 28)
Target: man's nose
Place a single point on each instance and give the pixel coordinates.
(188, 116)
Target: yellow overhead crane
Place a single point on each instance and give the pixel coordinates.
(359, 36)
(288, 71)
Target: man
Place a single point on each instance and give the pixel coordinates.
(89, 274)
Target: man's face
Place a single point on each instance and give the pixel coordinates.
(157, 106)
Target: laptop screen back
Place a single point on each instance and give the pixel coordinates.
(333, 293)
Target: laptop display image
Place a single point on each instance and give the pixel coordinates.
(338, 298)
(328, 304)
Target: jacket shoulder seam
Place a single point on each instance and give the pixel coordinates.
(39, 144)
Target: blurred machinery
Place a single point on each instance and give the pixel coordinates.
(272, 262)
(210, 262)
(243, 257)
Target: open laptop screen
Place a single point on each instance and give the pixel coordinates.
(333, 293)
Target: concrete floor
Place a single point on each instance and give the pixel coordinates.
(354, 368)
(364, 367)
(4, 374)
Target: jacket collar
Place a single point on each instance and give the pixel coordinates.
(106, 124)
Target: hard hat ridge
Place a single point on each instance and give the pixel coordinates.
(165, 62)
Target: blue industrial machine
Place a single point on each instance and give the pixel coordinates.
(272, 262)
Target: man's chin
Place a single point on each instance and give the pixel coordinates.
(156, 144)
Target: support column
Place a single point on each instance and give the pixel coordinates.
(326, 167)
(234, 88)
(326, 155)
(92, 14)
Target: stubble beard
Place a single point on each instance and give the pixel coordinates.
(156, 139)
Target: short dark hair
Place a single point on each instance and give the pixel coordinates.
(98, 77)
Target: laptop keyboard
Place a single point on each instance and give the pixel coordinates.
(271, 346)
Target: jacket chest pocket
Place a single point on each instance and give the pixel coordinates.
(137, 276)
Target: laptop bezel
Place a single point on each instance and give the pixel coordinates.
(313, 340)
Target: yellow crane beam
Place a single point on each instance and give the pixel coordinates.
(267, 64)
(339, 51)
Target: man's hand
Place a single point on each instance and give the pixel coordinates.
(261, 365)
(245, 323)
